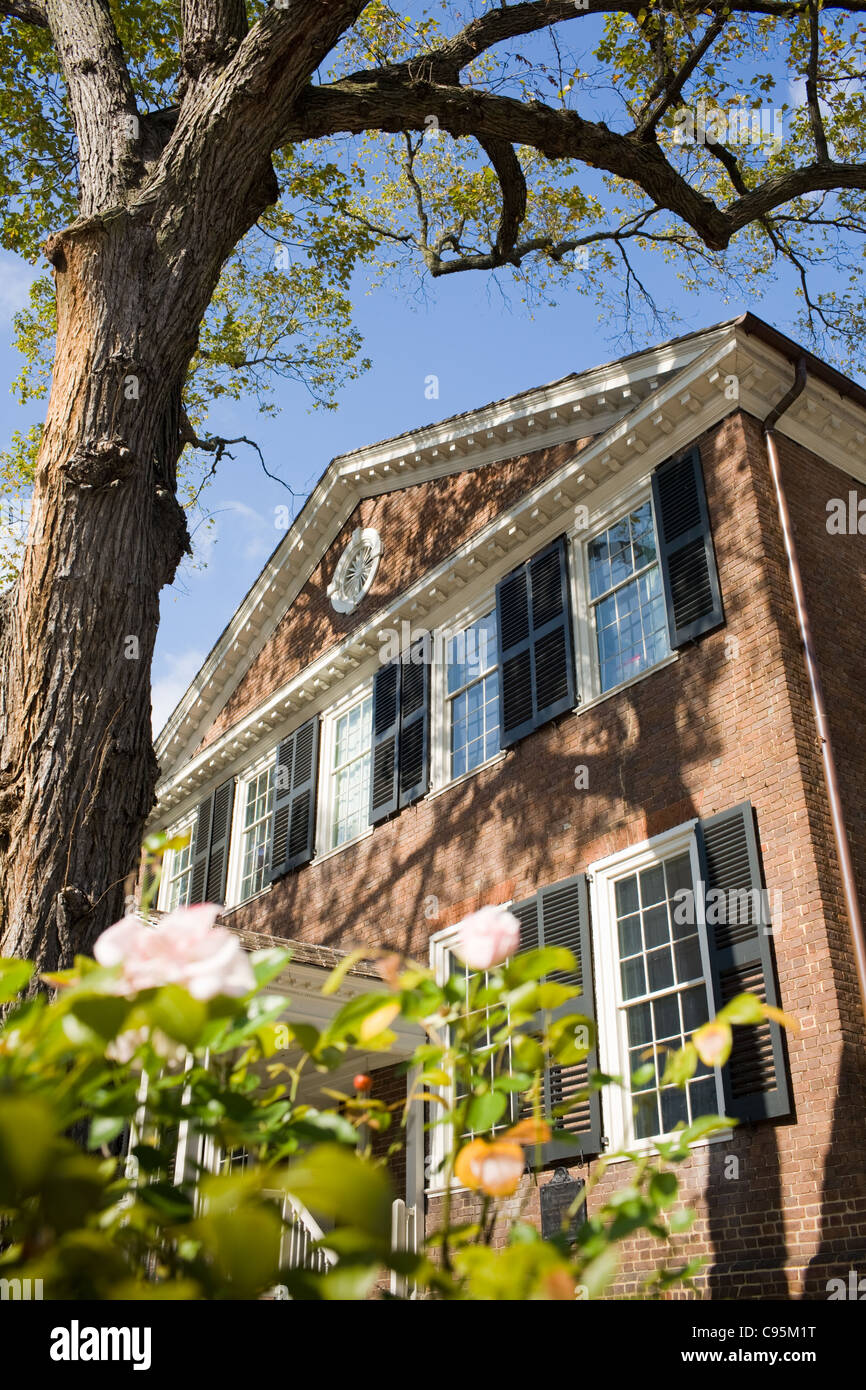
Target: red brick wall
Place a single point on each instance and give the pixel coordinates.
(730, 720)
(420, 526)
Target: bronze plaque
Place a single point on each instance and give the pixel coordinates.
(557, 1196)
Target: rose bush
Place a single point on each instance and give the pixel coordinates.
(172, 1029)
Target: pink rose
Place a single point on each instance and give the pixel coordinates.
(487, 938)
(184, 949)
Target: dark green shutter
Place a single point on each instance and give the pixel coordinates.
(741, 961)
(200, 850)
(220, 837)
(564, 921)
(149, 882)
(414, 756)
(384, 781)
(536, 644)
(559, 916)
(688, 563)
(401, 732)
(293, 821)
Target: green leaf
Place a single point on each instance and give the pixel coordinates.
(527, 1053)
(663, 1188)
(513, 1081)
(485, 1110)
(706, 1124)
(743, 1008)
(178, 1015)
(321, 1125)
(337, 1184)
(14, 976)
(104, 1128)
(339, 973)
(680, 1066)
(27, 1141)
(571, 1038)
(104, 1014)
(268, 964)
(534, 965)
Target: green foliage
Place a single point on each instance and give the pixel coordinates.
(82, 1068)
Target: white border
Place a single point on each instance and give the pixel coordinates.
(612, 1047)
(325, 789)
(236, 843)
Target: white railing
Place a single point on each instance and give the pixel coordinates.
(301, 1232)
(405, 1230)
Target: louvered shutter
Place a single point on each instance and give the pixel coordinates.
(564, 921)
(741, 958)
(149, 883)
(384, 781)
(220, 834)
(559, 916)
(200, 850)
(414, 725)
(688, 562)
(536, 645)
(293, 821)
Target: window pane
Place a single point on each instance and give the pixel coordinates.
(650, 966)
(351, 785)
(255, 846)
(474, 703)
(630, 622)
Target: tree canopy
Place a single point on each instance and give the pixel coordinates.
(544, 140)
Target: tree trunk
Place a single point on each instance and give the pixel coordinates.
(77, 769)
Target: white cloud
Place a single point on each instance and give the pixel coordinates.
(178, 671)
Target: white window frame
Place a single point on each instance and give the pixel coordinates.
(585, 641)
(440, 702)
(234, 879)
(170, 857)
(325, 801)
(441, 1137)
(612, 1046)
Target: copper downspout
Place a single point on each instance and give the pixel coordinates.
(849, 888)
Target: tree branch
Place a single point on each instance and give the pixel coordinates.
(101, 100)
(660, 102)
(212, 32)
(28, 11)
(812, 100)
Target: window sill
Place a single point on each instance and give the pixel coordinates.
(626, 685)
(646, 1147)
(262, 893)
(465, 776)
(347, 844)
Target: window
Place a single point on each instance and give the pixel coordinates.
(178, 879)
(472, 695)
(256, 833)
(656, 993)
(350, 773)
(441, 1136)
(626, 598)
(457, 967)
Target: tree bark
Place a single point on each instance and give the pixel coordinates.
(77, 768)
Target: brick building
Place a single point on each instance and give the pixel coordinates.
(605, 703)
